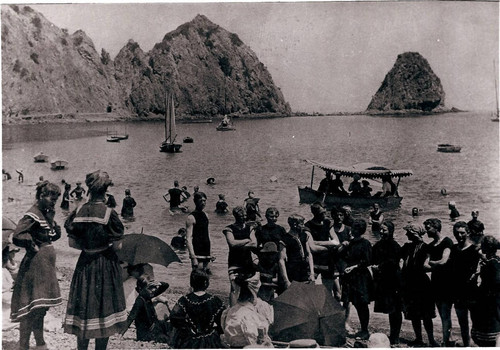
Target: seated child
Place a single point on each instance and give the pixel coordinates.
(147, 325)
(221, 205)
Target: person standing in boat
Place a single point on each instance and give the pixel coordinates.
(78, 191)
(338, 186)
(325, 185)
(366, 190)
(355, 186)
(36, 287)
(197, 234)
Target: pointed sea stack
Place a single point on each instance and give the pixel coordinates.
(410, 87)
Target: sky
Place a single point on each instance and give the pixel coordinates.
(325, 56)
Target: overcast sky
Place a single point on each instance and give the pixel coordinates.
(325, 56)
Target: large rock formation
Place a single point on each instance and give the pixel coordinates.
(410, 87)
(211, 71)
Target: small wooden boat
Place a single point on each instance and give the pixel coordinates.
(169, 144)
(188, 140)
(58, 164)
(226, 124)
(112, 139)
(121, 136)
(363, 170)
(41, 158)
(445, 147)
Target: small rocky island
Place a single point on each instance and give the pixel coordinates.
(410, 87)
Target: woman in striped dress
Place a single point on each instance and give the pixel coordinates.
(96, 304)
(36, 287)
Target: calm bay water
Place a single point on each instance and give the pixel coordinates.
(248, 157)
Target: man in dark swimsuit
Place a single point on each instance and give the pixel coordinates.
(197, 235)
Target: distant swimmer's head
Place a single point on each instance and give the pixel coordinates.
(222, 197)
(176, 183)
(127, 192)
(414, 211)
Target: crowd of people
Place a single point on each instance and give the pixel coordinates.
(411, 281)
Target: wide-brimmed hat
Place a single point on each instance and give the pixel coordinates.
(269, 247)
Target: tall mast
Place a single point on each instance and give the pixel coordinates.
(496, 85)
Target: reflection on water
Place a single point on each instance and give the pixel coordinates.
(256, 152)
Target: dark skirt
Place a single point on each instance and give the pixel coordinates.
(96, 304)
(485, 316)
(208, 341)
(36, 285)
(357, 287)
(418, 301)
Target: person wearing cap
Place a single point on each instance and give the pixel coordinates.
(197, 316)
(464, 260)
(439, 250)
(96, 303)
(36, 287)
(78, 191)
(197, 234)
(453, 210)
(128, 205)
(416, 286)
(476, 228)
(269, 269)
(355, 186)
(241, 240)
(387, 278)
(485, 315)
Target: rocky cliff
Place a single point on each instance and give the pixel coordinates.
(211, 71)
(410, 87)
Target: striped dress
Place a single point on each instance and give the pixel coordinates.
(96, 304)
(36, 286)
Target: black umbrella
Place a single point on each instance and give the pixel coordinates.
(142, 249)
(308, 311)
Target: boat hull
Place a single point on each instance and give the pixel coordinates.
(309, 196)
(112, 139)
(225, 128)
(450, 149)
(58, 165)
(41, 158)
(170, 147)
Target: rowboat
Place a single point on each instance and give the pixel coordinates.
(41, 158)
(445, 147)
(188, 139)
(112, 139)
(58, 164)
(363, 170)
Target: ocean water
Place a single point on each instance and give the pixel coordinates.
(247, 158)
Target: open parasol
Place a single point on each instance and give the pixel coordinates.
(308, 311)
(142, 249)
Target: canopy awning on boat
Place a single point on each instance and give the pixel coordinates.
(364, 170)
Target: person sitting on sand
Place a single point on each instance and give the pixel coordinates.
(197, 316)
(221, 205)
(78, 191)
(147, 325)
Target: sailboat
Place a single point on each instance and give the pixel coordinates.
(169, 144)
(496, 118)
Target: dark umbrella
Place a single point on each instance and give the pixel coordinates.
(143, 249)
(308, 311)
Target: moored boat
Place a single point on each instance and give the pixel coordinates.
(225, 125)
(364, 170)
(188, 140)
(446, 147)
(169, 144)
(41, 158)
(58, 164)
(112, 139)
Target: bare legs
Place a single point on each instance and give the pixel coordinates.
(417, 328)
(100, 343)
(33, 322)
(444, 309)
(463, 321)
